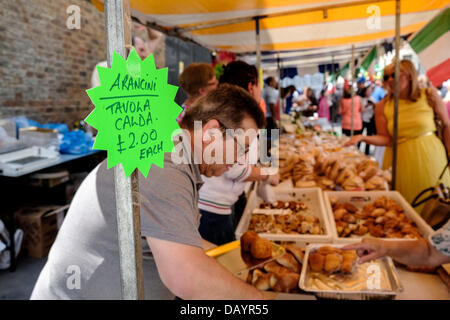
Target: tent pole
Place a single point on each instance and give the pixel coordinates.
(281, 101)
(351, 89)
(396, 92)
(126, 190)
(258, 46)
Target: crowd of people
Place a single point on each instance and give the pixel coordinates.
(188, 208)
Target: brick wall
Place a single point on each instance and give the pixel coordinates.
(45, 67)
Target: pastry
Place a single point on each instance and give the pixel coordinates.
(286, 282)
(332, 262)
(296, 252)
(247, 238)
(261, 248)
(316, 261)
(287, 260)
(275, 268)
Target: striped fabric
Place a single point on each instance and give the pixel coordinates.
(432, 44)
(289, 24)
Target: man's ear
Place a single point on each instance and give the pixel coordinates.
(250, 88)
(207, 135)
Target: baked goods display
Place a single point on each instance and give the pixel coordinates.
(284, 217)
(331, 260)
(280, 275)
(321, 162)
(334, 269)
(383, 218)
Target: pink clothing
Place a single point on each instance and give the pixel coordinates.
(346, 112)
(324, 108)
(184, 106)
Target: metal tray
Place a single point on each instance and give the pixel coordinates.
(311, 196)
(387, 263)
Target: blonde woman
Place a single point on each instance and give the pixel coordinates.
(421, 154)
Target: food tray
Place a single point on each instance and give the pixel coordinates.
(312, 197)
(386, 264)
(361, 198)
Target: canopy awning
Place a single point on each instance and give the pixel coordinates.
(285, 24)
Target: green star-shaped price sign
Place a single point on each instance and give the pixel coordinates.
(135, 113)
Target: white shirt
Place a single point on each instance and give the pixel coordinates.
(95, 79)
(219, 194)
(270, 95)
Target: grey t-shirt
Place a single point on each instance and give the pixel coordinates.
(86, 248)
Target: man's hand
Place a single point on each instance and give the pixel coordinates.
(274, 179)
(369, 249)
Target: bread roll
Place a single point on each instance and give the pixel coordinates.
(276, 268)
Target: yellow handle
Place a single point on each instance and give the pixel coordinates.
(217, 251)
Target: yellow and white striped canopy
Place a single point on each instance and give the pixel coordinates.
(288, 24)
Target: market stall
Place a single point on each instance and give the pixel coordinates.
(290, 234)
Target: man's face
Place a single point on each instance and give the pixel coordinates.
(233, 147)
(141, 48)
(210, 86)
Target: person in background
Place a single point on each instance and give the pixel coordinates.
(361, 87)
(310, 103)
(447, 99)
(430, 252)
(345, 110)
(196, 80)
(291, 96)
(368, 116)
(421, 155)
(143, 48)
(378, 93)
(219, 194)
(324, 107)
(270, 95)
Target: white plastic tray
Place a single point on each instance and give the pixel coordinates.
(312, 197)
(361, 198)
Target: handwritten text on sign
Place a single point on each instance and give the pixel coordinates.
(135, 113)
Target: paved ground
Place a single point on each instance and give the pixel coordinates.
(18, 285)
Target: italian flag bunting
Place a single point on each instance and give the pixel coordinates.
(431, 43)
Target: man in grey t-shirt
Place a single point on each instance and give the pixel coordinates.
(84, 260)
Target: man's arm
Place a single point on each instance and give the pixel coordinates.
(190, 274)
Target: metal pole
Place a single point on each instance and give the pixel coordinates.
(351, 89)
(258, 46)
(126, 190)
(396, 92)
(281, 99)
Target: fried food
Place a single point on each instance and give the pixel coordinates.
(247, 239)
(332, 262)
(261, 248)
(316, 261)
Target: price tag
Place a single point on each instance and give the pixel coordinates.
(135, 113)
